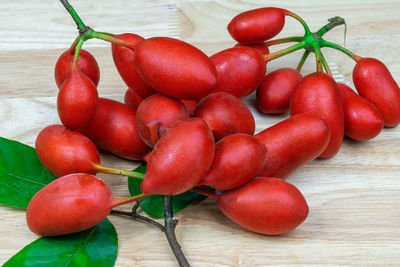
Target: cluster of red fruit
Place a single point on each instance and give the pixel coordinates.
(184, 117)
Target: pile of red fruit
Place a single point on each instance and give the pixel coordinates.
(184, 117)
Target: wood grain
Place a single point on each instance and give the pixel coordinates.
(354, 197)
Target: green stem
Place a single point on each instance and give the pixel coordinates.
(74, 15)
(77, 51)
(285, 51)
(284, 40)
(297, 17)
(109, 170)
(170, 225)
(303, 59)
(318, 60)
(321, 60)
(110, 38)
(355, 57)
(74, 44)
(333, 22)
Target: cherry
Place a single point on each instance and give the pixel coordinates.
(265, 205)
(175, 68)
(240, 70)
(156, 114)
(273, 96)
(124, 60)
(87, 64)
(317, 94)
(64, 152)
(292, 143)
(113, 129)
(132, 99)
(257, 25)
(238, 158)
(362, 120)
(225, 114)
(70, 204)
(374, 82)
(77, 100)
(180, 159)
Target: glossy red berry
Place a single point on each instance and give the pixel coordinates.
(374, 82)
(124, 60)
(273, 96)
(292, 143)
(64, 152)
(238, 158)
(156, 114)
(77, 100)
(265, 205)
(240, 70)
(257, 25)
(225, 114)
(87, 64)
(362, 120)
(317, 94)
(113, 129)
(180, 159)
(175, 68)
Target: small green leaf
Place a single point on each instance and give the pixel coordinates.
(21, 173)
(153, 205)
(95, 247)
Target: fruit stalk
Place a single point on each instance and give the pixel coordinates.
(109, 170)
(303, 59)
(333, 22)
(137, 216)
(297, 17)
(340, 48)
(74, 15)
(170, 224)
(284, 40)
(285, 51)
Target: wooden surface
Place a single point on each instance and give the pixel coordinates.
(354, 198)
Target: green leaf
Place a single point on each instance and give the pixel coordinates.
(21, 173)
(153, 205)
(95, 247)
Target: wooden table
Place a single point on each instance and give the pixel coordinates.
(354, 198)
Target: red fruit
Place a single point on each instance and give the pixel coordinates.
(124, 60)
(362, 120)
(175, 68)
(64, 152)
(87, 64)
(77, 100)
(70, 204)
(237, 159)
(257, 25)
(180, 159)
(190, 106)
(273, 96)
(156, 114)
(374, 82)
(225, 114)
(292, 143)
(265, 205)
(240, 70)
(260, 47)
(132, 99)
(317, 94)
(113, 129)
